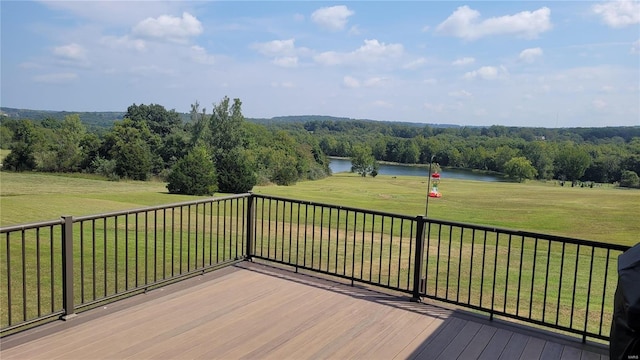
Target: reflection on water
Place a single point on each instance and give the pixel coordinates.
(344, 165)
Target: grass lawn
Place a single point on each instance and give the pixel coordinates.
(604, 214)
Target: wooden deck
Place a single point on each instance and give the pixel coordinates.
(250, 311)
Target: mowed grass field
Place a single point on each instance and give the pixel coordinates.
(606, 214)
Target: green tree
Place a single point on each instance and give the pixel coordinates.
(20, 158)
(520, 168)
(126, 145)
(193, 174)
(630, 179)
(571, 162)
(363, 162)
(66, 149)
(236, 172)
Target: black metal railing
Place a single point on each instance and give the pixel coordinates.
(53, 269)
(371, 247)
(559, 282)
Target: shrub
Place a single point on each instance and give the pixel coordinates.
(193, 174)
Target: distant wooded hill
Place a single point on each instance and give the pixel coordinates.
(105, 119)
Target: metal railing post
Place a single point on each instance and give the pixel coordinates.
(417, 261)
(250, 227)
(67, 268)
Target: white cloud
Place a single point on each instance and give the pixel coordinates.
(333, 18)
(350, 82)
(530, 55)
(382, 104)
(460, 94)
(298, 17)
(375, 81)
(72, 52)
(354, 30)
(599, 104)
(200, 55)
(415, 64)
(276, 47)
(151, 71)
(465, 23)
(618, 13)
(635, 47)
(430, 81)
(487, 73)
(283, 84)
(371, 51)
(169, 28)
(438, 108)
(55, 78)
(286, 61)
(124, 42)
(464, 61)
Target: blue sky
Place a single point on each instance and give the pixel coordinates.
(551, 64)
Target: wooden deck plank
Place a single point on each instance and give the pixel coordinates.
(462, 339)
(571, 353)
(515, 347)
(551, 351)
(479, 342)
(435, 344)
(264, 313)
(533, 349)
(496, 345)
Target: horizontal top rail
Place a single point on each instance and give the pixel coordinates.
(28, 226)
(340, 207)
(159, 207)
(530, 234)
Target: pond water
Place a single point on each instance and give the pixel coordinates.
(344, 165)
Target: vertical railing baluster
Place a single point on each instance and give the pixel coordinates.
(473, 244)
(586, 312)
(67, 268)
(93, 254)
(575, 280)
(417, 261)
(23, 251)
(137, 241)
(306, 222)
(250, 226)
(506, 280)
(446, 296)
(438, 257)
(189, 238)
(460, 264)
(546, 281)
(495, 275)
(146, 248)
(560, 284)
(38, 297)
(520, 276)
(52, 270)
(604, 289)
(484, 256)
(104, 258)
(82, 262)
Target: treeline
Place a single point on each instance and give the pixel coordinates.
(600, 155)
(151, 141)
